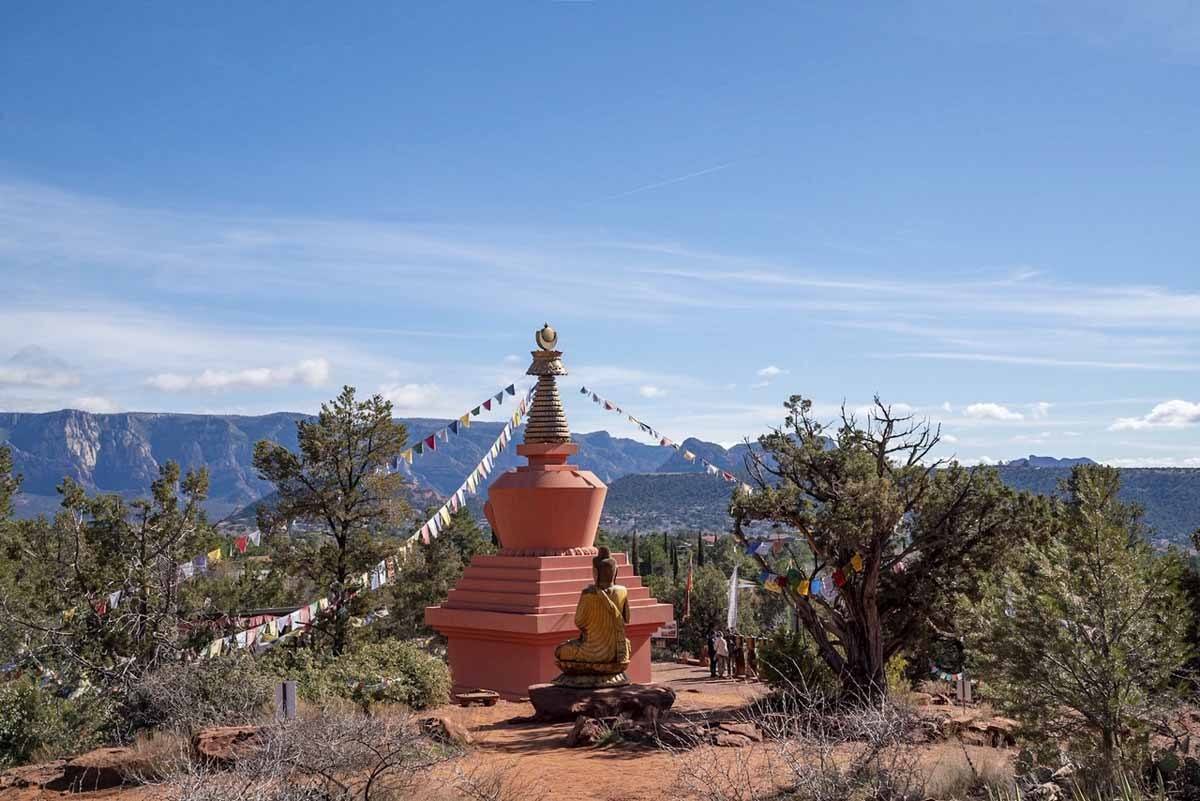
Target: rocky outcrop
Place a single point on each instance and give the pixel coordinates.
(442, 729)
(104, 768)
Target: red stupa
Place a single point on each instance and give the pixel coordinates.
(510, 610)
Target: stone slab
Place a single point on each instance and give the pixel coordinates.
(638, 701)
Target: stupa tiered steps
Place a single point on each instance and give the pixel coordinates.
(529, 602)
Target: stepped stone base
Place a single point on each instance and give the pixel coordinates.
(638, 701)
(507, 614)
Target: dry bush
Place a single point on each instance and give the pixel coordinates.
(326, 756)
(505, 782)
(813, 751)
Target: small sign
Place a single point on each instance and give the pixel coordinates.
(285, 700)
(668, 631)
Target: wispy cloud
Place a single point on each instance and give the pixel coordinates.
(1046, 361)
(311, 372)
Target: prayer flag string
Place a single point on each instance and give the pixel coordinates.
(665, 441)
(385, 572)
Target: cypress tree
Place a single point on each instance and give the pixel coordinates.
(699, 549)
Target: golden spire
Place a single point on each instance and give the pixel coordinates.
(547, 423)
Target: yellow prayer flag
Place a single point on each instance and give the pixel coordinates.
(214, 555)
(408, 456)
(444, 513)
(856, 562)
(465, 419)
(68, 614)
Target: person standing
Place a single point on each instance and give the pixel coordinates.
(739, 657)
(711, 644)
(722, 650)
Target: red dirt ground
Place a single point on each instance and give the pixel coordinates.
(533, 756)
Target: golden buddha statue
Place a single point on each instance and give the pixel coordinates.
(599, 657)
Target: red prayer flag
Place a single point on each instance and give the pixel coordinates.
(839, 578)
(487, 404)
(240, 543)
(431, 442)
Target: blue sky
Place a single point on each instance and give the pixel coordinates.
(984, 212)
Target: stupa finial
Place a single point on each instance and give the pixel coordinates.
(547, 424)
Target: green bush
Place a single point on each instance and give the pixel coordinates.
(389, 672)
(21, 712)
(201, 693)
(35, 723)
(789, 660)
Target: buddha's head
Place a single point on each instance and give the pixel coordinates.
(604, 568)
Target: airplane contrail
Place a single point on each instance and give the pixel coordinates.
(670, 181)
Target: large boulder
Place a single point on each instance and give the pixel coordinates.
(221, 746)
(636, 701)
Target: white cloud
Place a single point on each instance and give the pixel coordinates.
(311, 372)
(33, 366)
(946, 407)
(95, 404)
(771, 371)
(1169, 414)
(412, 397)
(17, 375)
(1040, 409)
(651, 391)
(1154, 461)
(949, 439)
(991, 411)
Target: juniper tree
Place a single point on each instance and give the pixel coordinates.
(906, 533)
(98, 589)
(428, 574)
(1081, 637)
(339, 484)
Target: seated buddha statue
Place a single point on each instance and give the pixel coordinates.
(600, 655)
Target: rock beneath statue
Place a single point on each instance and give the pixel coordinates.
(557, 704)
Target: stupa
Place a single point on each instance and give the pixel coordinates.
(510, 610)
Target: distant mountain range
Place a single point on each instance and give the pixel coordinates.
(121, 453)
(650, 486)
